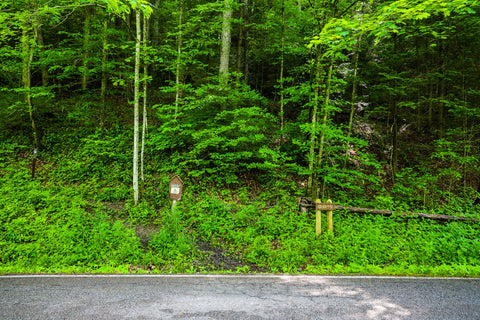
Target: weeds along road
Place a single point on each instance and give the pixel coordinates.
(236, 297)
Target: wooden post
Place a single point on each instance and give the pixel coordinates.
(330, 218)
(318, 218)
(176, 185)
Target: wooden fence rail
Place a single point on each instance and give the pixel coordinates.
(306, 203)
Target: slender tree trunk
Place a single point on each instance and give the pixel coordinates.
(321, 16)
(466, 140)
(354, 83)
(245, 44)
(394, 140)
(430, 107)
(86, 44)
(226, 43)
(394, 130)
(354, 95)
(156, 27)
(178, 74)
(326, 112)
(27, 58)
(441, 106)
(103, 86)
(145, 92)
(241, 43)
(311, 187)
(394, 111)
(38, 34)
(419, 109)
(136, 104)
(282, 66)
(354, 89)
(26, 79)
(421, 86)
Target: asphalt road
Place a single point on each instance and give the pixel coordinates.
(236, 297)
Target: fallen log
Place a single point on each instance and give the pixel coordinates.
(328, 206)
(403, 213)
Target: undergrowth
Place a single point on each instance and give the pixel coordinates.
(68, 222)
(282, 239)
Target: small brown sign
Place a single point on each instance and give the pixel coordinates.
(325, 206)
(175, 189)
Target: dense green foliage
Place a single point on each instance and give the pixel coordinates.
(62, 226)
(369, 103)
(54, 228)
(283, 240)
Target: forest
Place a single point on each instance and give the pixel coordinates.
(254, 104)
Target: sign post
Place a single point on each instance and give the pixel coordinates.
(319, 207)
(318, 218)
(175, 190)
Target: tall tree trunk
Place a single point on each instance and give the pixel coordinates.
(27, 58)
(430, 107)
(394, 110)
(145, 92)
(311, 187)
(38, 34)
(26, 79)
(136, 104)
(226, 43)
(466, 140)
(421, 88)
(394, 139)
(155, 39)
(320, 16)
(245, 44)
(241, 43)
(442, 94)
(354, 95)
(86, 44)
(282, 65)
(178, 73)
(103, 86)
(326, 113)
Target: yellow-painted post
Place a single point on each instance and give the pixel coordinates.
(318, 218)
(330, 218)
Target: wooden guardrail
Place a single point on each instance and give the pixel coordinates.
(305, 204)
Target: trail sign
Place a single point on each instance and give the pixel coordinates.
(175, 188)
(328, 206)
